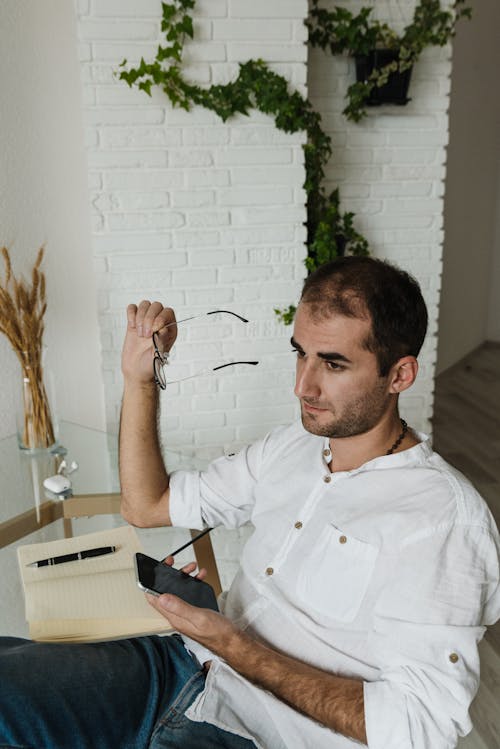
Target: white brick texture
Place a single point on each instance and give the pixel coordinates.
(197, 213)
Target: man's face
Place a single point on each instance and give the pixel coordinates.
(337, 381)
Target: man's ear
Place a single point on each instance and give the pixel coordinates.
(403, 374)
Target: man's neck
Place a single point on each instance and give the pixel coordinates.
(349, 453)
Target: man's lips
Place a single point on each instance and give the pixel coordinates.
(312, 409)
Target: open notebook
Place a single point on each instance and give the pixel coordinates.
(89, 599)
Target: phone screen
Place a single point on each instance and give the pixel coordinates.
(156, 577)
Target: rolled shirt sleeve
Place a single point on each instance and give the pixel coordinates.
(223, 494)
(427, 624)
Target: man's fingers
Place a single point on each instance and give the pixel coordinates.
(202, 574)
(154, 310)
(149, 317)
(170, 605)
(175, 605)
(141, 314)
(167, 331)
(131, 316)
(184, 617)
(163, 321)
(188, 568)
(191, 567)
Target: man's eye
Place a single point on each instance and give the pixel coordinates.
(334, 366)
(300, 354)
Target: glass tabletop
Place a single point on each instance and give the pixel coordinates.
(95, 452)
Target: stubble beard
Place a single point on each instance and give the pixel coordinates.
(357, 417)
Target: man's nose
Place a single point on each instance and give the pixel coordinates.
(307, 381)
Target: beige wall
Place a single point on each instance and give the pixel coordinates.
(470, 307)
(44, 200)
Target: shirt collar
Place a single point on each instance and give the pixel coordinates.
(413, 456)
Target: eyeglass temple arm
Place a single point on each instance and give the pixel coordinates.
(194, 317)
(206, 371)
(228, 312)
(232, 363)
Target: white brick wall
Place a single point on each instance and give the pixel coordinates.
(197, 213)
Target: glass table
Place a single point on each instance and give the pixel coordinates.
(26, 506)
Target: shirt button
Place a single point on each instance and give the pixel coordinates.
(298, 525)
(327, 479)
(454, 658)
(326, 453)
(269, 571)
(342, 540)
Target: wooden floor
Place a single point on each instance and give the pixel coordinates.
(466, 429)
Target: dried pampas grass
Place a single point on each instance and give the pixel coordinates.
(22, 309)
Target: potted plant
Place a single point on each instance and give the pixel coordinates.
(384, 59)
(391, 82)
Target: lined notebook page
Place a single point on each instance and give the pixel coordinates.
(94, 598)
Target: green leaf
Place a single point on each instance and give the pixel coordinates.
(145, 86)
(168, 11)
(186, 26)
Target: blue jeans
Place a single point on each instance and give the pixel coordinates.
(125, 694)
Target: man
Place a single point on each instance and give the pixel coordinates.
(364, 589)
(370, 575)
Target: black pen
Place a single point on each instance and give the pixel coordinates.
(86, 554)
(181, 548)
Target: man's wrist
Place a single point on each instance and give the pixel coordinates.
(132, 385)
(232, 646)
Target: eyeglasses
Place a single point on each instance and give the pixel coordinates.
(161, 359)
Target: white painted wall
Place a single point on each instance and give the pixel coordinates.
(470, 306)
(44, 200)
(390, 168)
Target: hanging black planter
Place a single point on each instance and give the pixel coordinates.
(395, 91)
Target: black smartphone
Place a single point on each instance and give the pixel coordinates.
(156, 577)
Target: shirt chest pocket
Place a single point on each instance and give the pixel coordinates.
(336, 574)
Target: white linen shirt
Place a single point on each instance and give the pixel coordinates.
(386, 573)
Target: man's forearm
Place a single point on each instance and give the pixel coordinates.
(334, 701)
(143, 477)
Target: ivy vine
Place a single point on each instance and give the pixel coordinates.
(330, 232)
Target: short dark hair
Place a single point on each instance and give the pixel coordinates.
(360, 286)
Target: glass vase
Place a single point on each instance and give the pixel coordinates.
(36, 426)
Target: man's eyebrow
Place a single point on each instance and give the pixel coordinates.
(329, 356)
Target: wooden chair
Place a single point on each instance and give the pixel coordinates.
(88, 505)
